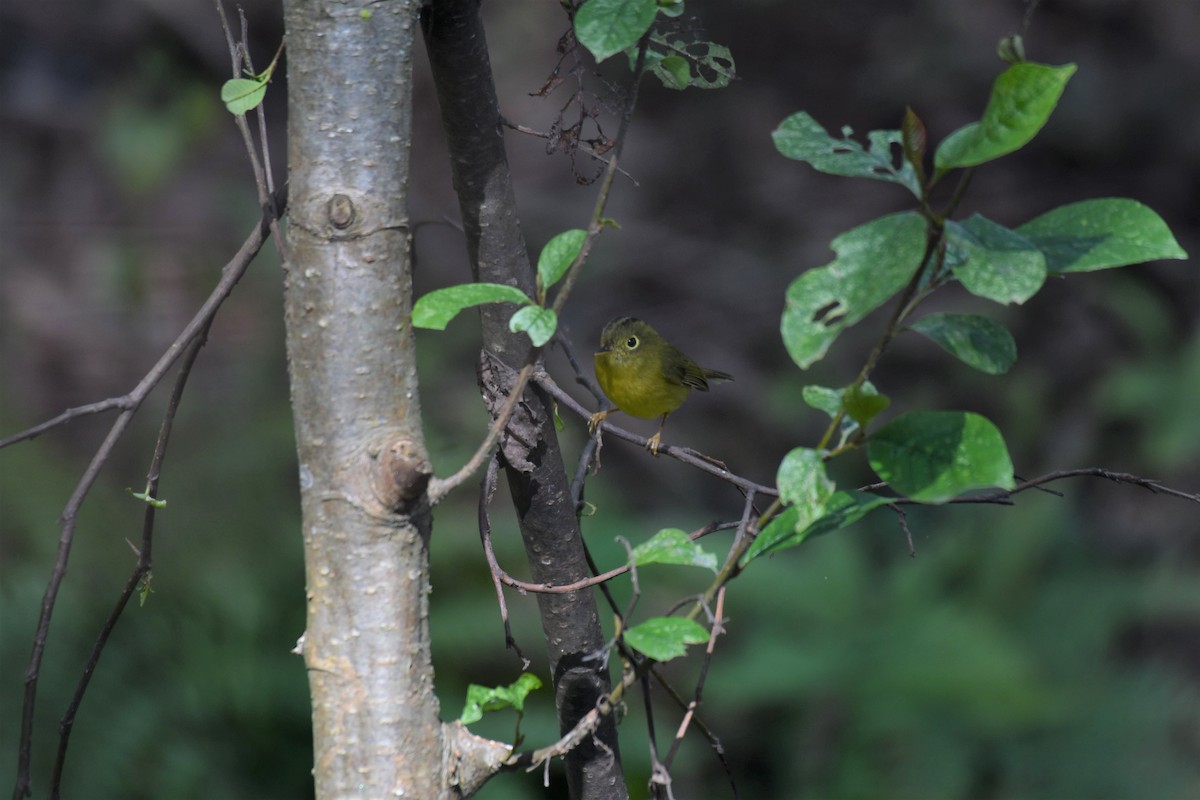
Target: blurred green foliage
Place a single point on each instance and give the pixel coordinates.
(1042, 651)
(997, 663)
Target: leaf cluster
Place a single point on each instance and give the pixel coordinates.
(921, 456)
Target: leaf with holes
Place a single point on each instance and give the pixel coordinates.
(804, 139)
(874, 261)
(680, 64)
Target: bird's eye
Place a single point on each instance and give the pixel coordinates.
(631, 342)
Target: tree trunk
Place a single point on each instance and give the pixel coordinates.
(363, 463)
(529, 449)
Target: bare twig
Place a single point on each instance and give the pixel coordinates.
(486, 491)
(716, 630)
(129, 403)
(1092, 472)
(586, 147)
(698, 722)
(440, 487)
(145, 560)
(1004, 497)
(123, 403)
(902, 518)
(239, 53)
(686, 455)
(660, 774)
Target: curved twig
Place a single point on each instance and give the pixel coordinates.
(141, 570)
(129, 403)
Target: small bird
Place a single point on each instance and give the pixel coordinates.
(644, 375)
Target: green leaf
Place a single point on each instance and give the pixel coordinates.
(606, 27)
(801, 137)
(874, 261)
(802, 481)
(243, 94)
(673, 546)
(995, 262)
(436, 309)
(558, 255)
(861, 405)
(673, 71)
(823, 398)
(1011, 49)
(664, 638)
(146, 498)
(977, 341)
(864, 403)
(489, 698)
(935, 456)
(680, 64)
(670, 8)
(144, 589)
(1099, 234)
(1021, 101)
(783, 532)
(540, 323)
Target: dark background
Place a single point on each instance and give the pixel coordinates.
(1048, 650)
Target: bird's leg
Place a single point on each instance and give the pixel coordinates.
(656, 440)
(596, 419)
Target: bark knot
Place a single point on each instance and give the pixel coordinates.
(341, 211)
(402, 475)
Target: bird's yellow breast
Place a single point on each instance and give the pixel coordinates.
(638, 389)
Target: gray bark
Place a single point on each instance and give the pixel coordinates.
(363, 463)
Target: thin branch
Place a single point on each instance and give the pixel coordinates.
(141, 570)
(716, 630)
(122, 403)
(1148, 484)
(129, 403)
(486, 491)
(583, 466)
(587, 148)
(239, 53)
(684, 454)
(1004, 496)
(660, 775)
(581, 377)
(902, 518)
(440, 487)
(698, 721)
